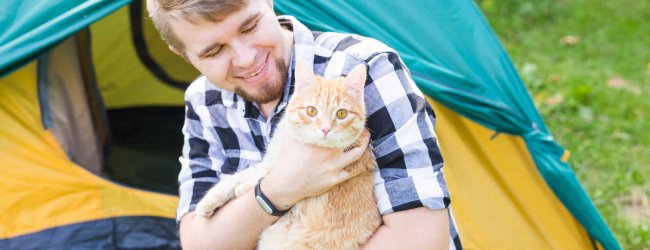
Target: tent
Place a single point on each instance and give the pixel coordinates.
(91, 103)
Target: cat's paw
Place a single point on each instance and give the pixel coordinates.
(205, 209)
(245, 187)
(211, 202)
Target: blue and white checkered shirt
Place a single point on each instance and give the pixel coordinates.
(223, 133)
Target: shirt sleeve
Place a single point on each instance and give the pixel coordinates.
(401, 123)
(201, 160)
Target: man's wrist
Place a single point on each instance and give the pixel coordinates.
(276, 194)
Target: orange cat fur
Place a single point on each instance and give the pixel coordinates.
(344, 217)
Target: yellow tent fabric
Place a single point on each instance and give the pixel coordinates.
(41, 187)
(122, 77)
(498, 197)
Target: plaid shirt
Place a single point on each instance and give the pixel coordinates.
(225, 134)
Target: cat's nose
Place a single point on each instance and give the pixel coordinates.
(325, 130)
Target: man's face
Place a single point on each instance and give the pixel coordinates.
(248, 52)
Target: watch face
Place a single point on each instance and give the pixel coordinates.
(265, 206)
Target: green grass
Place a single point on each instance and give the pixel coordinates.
(603, 122)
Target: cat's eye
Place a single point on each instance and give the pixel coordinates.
(311, 111)
(342, 113)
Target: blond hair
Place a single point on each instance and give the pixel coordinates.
(161, 11)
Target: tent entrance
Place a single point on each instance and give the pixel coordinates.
(146, 144)
(142, 85)
(136, 146)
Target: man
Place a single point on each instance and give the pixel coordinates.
(246, 55)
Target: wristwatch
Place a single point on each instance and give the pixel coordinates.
(265, 203)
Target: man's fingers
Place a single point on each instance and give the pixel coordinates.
(354, 151)
(353, 154)
(343, 176)
(365, 137)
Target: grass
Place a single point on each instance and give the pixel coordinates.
(586, 63)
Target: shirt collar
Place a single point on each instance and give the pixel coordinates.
(303, 40)
(303, 49)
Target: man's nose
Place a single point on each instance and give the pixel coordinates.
(244, 55)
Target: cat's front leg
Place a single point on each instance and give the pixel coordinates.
(264, 166)
(217, 196)
(249, 184)
(225, 190)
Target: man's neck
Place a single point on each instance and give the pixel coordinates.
(267, 108)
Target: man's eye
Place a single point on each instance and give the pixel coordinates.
(216, 53)
(252, 28)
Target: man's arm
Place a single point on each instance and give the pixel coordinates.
(237, 225)
(418, 228)
(411, 192)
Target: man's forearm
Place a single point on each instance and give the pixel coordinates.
(237, 225)
(418, 228)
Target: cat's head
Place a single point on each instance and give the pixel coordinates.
(327, 112)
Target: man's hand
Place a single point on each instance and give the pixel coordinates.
(305, 171)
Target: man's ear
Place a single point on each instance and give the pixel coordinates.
(175, 50)
(182, 55)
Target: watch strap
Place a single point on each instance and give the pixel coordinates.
(265, 203)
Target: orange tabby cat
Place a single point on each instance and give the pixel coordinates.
(344, 217)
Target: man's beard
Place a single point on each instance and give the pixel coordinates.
(270, 91)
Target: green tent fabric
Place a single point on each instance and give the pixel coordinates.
(456, 59)
(31, 27)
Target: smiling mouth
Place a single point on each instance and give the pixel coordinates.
(256, 72)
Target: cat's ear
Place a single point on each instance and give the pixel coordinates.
(356, 80)
(304, 75)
